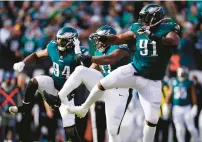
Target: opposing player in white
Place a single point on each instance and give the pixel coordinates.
(106, 59)
(155, 37)
(182, 93)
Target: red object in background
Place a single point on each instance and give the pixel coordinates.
(174, 63)
(9, 96)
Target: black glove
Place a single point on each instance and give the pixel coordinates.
(53, 101)
(84, 59)
(97, 37)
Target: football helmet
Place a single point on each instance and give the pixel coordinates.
(103, 31)
(151, 14)
(65, 38)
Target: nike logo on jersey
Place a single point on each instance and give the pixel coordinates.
(61, 61)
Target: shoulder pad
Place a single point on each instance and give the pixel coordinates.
(134, 27)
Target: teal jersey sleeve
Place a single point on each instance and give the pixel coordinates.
(134, 28)
(52, 45)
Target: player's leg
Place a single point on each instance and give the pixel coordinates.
(150, 98)
(123, 77)
(81, 74)
(179, 123)
(32, 86)
(116, 102)
(189, 121)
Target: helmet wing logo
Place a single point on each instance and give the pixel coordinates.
(153, 9)
(103, 32)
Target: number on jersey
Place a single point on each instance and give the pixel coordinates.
(106, 68)
(180, 92)
(65, 72)
(144, 45)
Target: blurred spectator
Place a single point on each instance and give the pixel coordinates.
(9, 95)
(198, 91)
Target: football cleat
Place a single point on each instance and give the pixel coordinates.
(78, 110)
(13, 109)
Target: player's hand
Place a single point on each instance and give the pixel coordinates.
(97, 37)
(77, 46)
(19, 66)
(194, 110)
(84, 59)
(165, 111)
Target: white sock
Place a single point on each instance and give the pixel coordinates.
(94, 95)
(148, 133)
(114, 138)
(72, 83)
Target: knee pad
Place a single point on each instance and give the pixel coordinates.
(79, 68)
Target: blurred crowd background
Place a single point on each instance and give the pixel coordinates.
(26, 27)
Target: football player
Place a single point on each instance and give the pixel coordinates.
(182, 93)
(63, 56)
(155, 38)
(107, 58)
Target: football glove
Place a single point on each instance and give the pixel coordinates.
(97, 37)
(84, 59)
(19, 66)
(194, 110)
(53, 101)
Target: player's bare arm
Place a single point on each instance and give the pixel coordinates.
(110, 59)
(171, 39)
(95, 66)
(120, 38)
(35, 56)
(169, 96)
(193, 95)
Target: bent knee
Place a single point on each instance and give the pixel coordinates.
(80, 68)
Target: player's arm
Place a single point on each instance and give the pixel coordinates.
(194, 109)
(110, 59)
(30, 59)
(171, 39)
(169, 95)
(122, 38)
(193, 95)
(35, 56)
(95, 66)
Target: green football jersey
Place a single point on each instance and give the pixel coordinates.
(63, 66)
(181, 92)
(151, 58)
(106, 69)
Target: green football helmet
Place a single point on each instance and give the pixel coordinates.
(104, 30)
(65, 38)
(151, 14)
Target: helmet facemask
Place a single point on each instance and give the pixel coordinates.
(65, 43)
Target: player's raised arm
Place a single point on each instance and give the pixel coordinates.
(112, 39)
(30, 59)
(110, 59)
